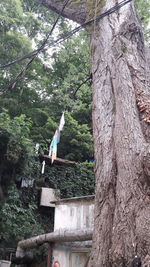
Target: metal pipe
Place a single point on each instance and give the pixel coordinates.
(62, 235)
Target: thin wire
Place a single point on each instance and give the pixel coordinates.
(67, 35)
(13, 83)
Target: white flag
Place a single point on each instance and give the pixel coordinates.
(43, 167)
(56, 138)
(62, 122)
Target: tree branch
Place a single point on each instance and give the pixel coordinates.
(74, 11)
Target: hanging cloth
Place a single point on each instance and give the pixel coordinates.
(62, 122)
(56, 139)
(53, 146)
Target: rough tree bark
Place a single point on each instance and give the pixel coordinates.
(121, 117)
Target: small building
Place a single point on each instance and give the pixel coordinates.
(4, 263)
(70, 243)
(73, 214)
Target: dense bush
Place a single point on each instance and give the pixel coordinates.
(72, 181)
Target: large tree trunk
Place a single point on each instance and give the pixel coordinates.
(122, 211)
(121, 114)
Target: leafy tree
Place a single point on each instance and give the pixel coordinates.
(15, 145)
(48, 90)
(76, 142)
(120, 127)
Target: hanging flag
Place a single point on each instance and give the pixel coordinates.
(43, 167)
(56, 139)
(54, 142)
(62, 122)
(53, 146)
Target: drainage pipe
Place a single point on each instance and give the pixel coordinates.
(62, 235)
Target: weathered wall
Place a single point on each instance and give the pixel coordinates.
(74, 215)
(48, 195)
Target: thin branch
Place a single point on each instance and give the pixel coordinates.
(84, 82)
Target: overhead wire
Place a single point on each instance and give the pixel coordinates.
(67, 35)
(22, 72)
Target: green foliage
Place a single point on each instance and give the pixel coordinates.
(143, 10)
(47, 90)
(15, 145)
(76, 142)
(14, 12)
(18, 222)
(19, 126)
(72, 181)
(66, 78)
(13, 42)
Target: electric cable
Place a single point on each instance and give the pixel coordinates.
(67, 35)
(13, 83)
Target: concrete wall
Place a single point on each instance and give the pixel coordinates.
(4, 263)
(74, 215)
(49, 195)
